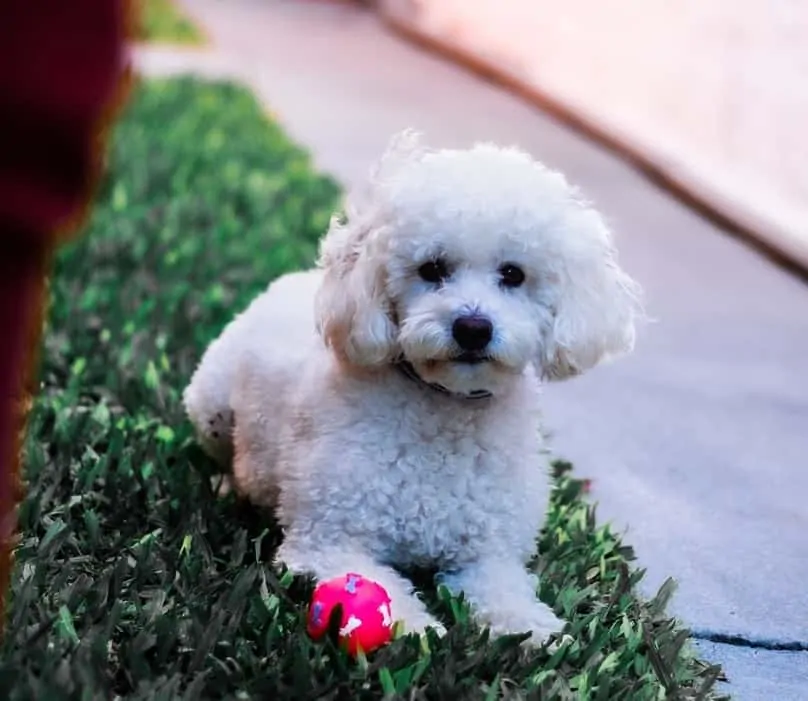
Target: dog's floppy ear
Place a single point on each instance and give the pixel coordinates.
(354, 313)
(597, 305)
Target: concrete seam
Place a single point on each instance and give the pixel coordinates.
(737, 640)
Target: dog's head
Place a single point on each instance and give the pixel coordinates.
(471, 264)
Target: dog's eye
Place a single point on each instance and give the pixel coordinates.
(511, 275)
(434, 271)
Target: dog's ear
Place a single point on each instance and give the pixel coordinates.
(354, 313)
(597, 304)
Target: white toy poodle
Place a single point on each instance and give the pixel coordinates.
(386, 405)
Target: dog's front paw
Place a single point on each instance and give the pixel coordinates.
(542, 623)
(537, 619)
(412, 617)
(405, 627)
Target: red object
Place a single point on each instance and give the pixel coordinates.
(62, 70)
(367, 619)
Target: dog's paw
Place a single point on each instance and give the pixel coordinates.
(565, 640)
(419, 628)
(542, 624)
(216, 436)
(413, 618)
(537, 619)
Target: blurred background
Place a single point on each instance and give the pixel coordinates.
(715, 94)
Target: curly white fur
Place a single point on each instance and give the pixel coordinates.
(371, 471)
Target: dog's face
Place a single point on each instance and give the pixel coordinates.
(468, 302)
(471, 265)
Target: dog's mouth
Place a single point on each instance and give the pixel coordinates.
(472, 358)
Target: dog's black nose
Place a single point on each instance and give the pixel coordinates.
(472, 333)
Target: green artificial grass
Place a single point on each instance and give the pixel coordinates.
(132, 579)
(163, 21)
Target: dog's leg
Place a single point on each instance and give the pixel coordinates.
(253, 475)
(502, 594)
(325, 562)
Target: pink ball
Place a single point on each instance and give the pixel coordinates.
(367, 620)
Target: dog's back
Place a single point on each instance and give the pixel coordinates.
(270, 338)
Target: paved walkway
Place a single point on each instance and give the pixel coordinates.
(712, 95)
(698, 444)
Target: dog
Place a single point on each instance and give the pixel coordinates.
(386, 404)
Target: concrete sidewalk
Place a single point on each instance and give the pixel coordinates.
(710, 97)
(698, 444)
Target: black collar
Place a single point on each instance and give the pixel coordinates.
(405, 368)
